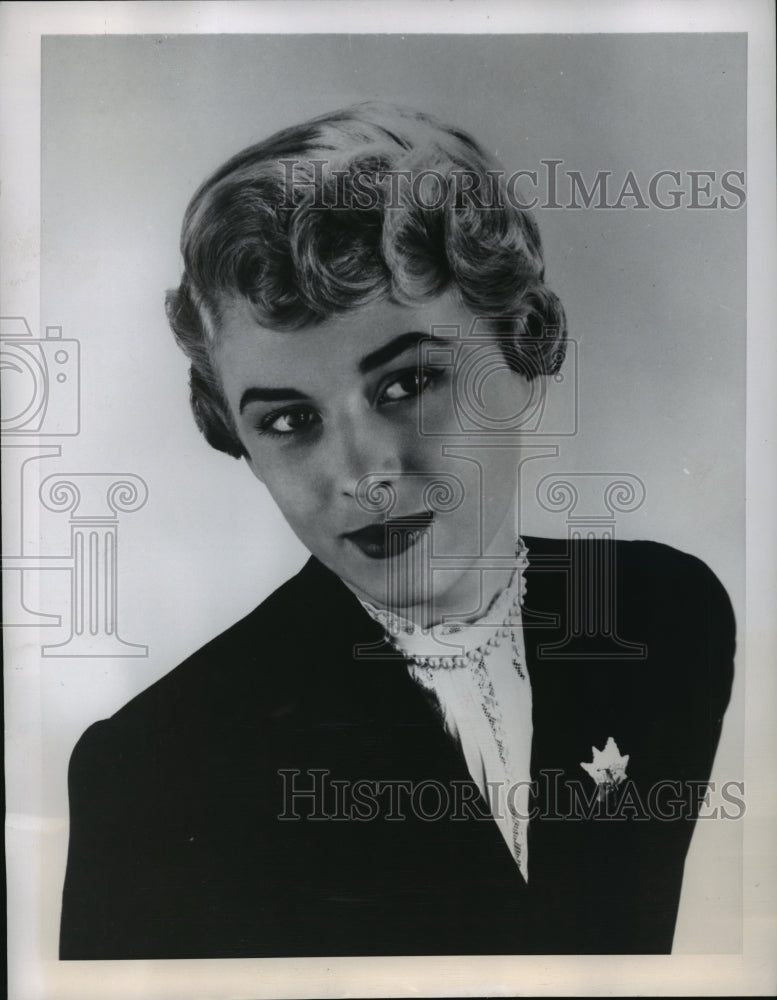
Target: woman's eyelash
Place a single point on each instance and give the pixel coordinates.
(426, 376)
(265, 425)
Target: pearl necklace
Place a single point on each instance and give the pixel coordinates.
(503, 622)
(471, 655)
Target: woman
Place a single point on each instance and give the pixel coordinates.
(412, 747)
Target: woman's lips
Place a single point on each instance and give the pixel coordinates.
(391, 537)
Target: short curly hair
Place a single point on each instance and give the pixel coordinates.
(312, 222)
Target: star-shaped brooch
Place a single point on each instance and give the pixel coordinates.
(608, 768)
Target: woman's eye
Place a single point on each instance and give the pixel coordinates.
(288, 422)
(409, 384)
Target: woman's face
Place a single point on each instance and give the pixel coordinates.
(350, 424)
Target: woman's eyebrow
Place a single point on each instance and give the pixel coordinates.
(390, 350)
(375, 359)
(257, 395)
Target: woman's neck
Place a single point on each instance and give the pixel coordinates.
(465, 595)
(467, 599)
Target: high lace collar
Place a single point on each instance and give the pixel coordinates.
(459, 641)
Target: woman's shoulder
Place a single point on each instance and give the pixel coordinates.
(254, 663)
(644, 559)
(651, 624)
(671, 598)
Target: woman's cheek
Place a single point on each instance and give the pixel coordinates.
(439, 413)
(307, 492)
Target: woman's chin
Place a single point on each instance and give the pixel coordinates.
(385, 590)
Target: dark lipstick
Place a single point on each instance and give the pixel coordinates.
(391, 537)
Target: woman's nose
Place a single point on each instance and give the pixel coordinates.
(366, 449)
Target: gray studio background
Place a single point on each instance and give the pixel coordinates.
(655, 300)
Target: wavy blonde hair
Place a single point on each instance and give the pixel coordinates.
(300, 253)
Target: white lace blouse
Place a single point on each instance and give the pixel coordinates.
(476, 673)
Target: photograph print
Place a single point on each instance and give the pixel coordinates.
(404, 511)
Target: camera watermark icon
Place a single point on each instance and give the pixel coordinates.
(40, 403)
(473, 357)
(41, 381)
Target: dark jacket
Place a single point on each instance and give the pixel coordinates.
(183, 841)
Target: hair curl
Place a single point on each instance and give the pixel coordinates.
(305, 251)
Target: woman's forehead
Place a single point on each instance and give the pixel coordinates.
(349, 337)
